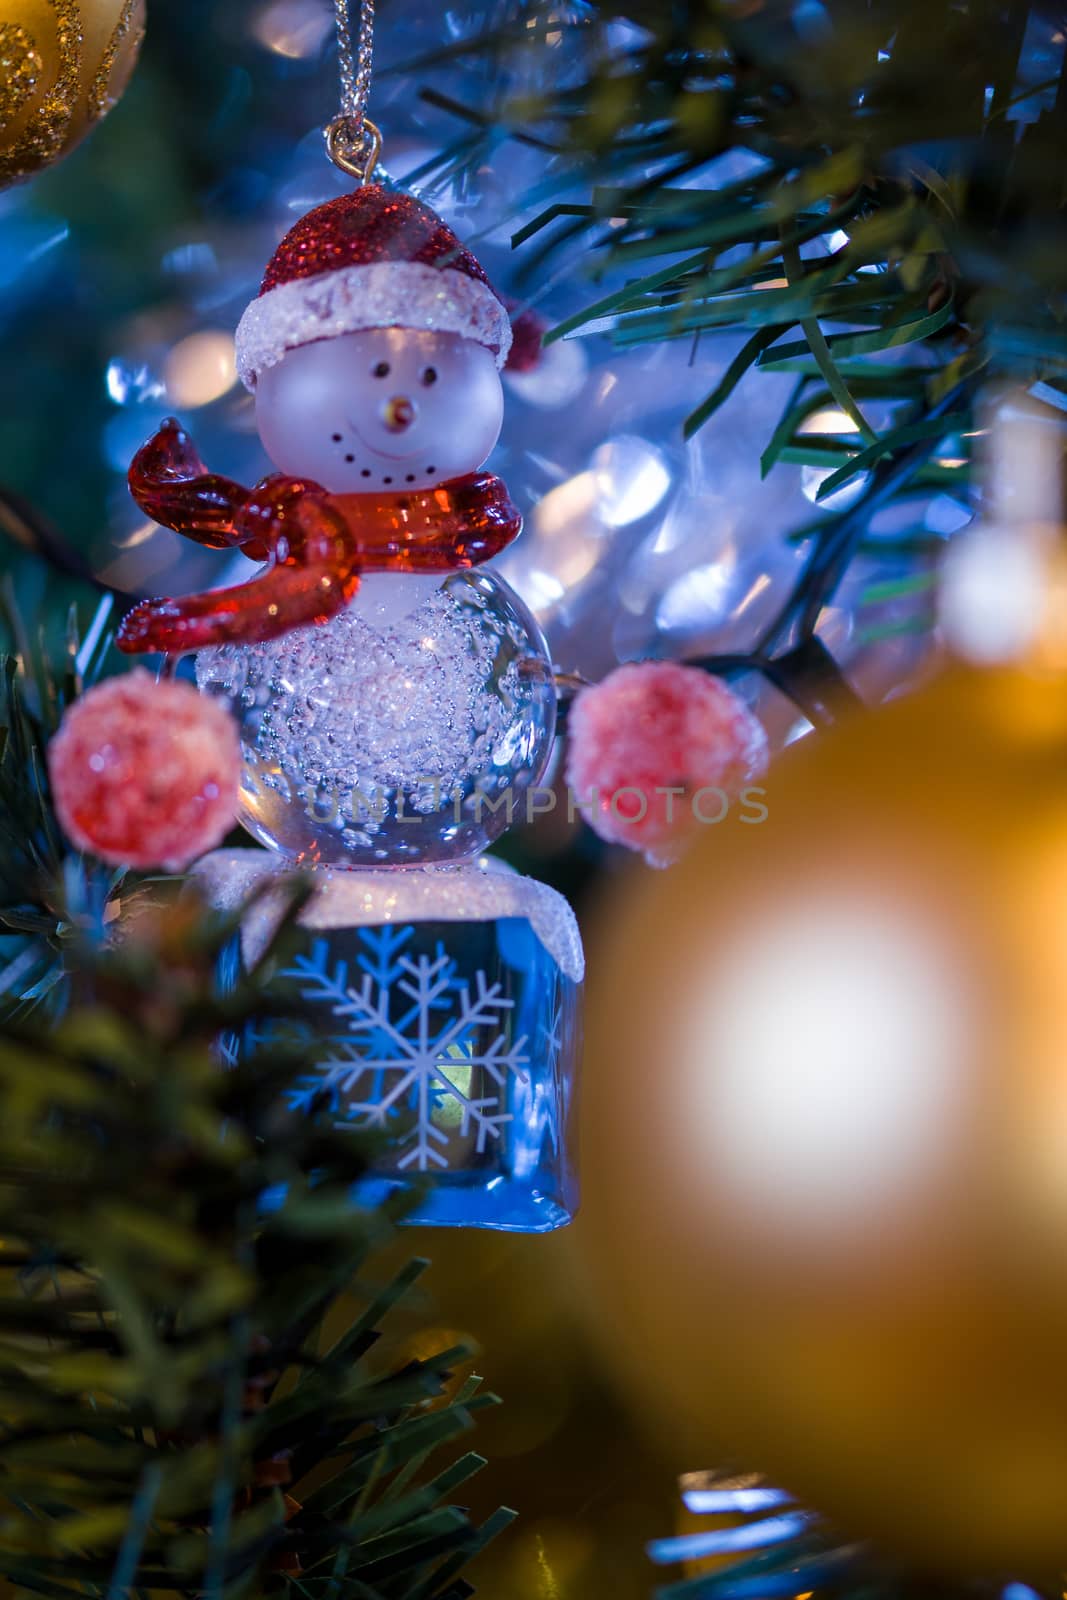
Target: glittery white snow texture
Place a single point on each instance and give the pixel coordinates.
(395, 743)
(484, 890)
(388, 294)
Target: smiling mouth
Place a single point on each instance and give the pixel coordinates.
(386, 455)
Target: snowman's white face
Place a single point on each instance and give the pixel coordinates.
(390, 408)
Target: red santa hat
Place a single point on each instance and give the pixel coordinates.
(375, 258)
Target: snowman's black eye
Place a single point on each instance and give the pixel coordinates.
(429, 376)
(382, 369)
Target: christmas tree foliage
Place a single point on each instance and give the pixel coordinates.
(870, 188)
(173, 1419)
(177, 1415)
(867, 195)
(48, 894)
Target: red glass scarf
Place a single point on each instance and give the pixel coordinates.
(317, 543)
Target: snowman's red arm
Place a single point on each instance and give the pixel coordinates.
(283, 598)
(170, 482)
(318, 543)
(285, 520)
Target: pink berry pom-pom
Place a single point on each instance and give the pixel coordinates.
(145, 773)
(651, 727)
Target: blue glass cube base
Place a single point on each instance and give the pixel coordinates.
(450, 1026)
(503, 1204)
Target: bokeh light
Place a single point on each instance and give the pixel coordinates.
(200, 368)
(825, 1054)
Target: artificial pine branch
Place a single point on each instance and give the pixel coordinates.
(819, 179)
(174, 1241)
(48, 892)
(866, 195)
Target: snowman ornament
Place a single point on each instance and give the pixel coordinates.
(396, 707)
(395, 699)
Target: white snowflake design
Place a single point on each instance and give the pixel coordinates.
(417, 1037)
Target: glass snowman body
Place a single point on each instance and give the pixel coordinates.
(386, 748)
(406, 730)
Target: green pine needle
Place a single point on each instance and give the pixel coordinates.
(174, 1419)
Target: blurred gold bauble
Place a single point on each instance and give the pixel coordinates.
(826, 1131)
(63, 65)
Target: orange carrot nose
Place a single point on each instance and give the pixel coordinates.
(398, 413)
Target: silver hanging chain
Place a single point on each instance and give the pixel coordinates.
(355, 64)
(353, 142)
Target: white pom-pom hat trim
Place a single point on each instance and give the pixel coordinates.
(386, 294)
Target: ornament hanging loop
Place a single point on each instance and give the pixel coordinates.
(353, 141)
(354, 149)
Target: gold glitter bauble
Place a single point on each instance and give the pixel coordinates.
(63, 65)
(825, 1142)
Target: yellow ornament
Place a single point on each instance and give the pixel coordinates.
(63, 65)
(826, 1132)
